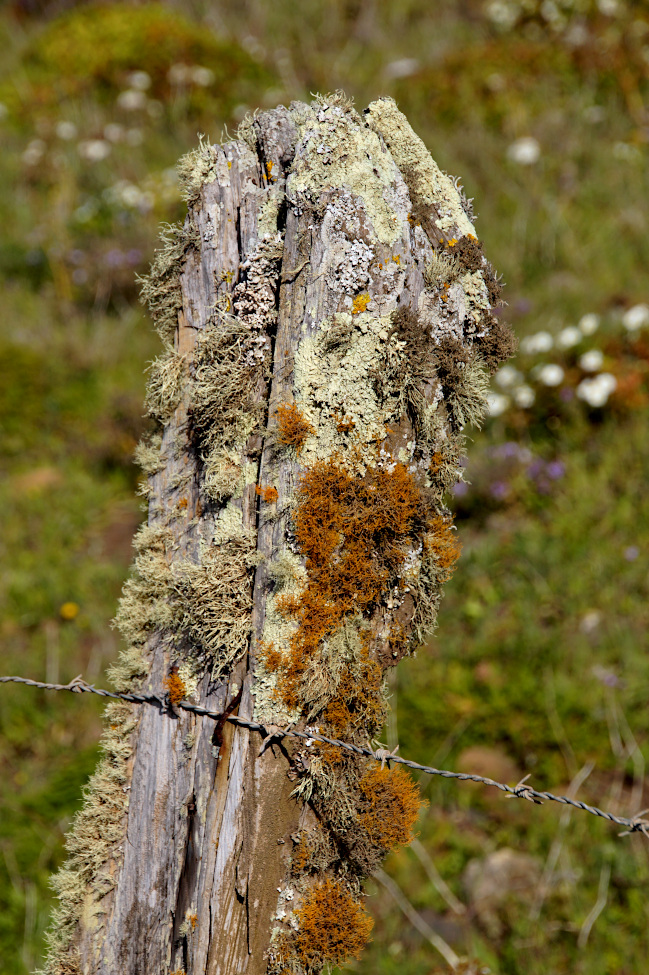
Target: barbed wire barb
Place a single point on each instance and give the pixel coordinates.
(77, 685)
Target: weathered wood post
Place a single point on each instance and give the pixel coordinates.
(326, 313)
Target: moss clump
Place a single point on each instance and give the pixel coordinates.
(390, 805)
(293, 426)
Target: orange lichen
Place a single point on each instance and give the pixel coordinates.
(344, 425)
(183, 503)
(193, 920)
(436, 462)
(391, 804)
(332, 926)
(441, 542)
(353, 532)
(267, 494)
(360, 303)
(294, 427)
(360, 702)
(175, 686)
(271, 656)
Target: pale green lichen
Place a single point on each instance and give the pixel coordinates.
(467, 401)
(476, 296)
(165, 384)
(224, 391)
(426, 181)
(144, 606)
(147, 454)
(195, 169)
(443, 268)
(340, 652)
(92, 843)
(223, 475)
(268, 212)
(213, 602)
(245, 130)
(289, 576)
(334, 375)
(160, 289)
(336, 149)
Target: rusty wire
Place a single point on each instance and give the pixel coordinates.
(520, 791)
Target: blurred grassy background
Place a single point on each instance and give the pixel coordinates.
(539, 664)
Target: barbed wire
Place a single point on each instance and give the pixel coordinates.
(78, 685)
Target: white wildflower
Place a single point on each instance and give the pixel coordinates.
(402, 68)
(550, 375)
(497, 403)
(202, 76)
(592, 360)
(596, 391)
(508, 377)
(94, 150)
(568, 337)
(524, 396)
(502, 14)
(588, 324)
(66, 130)
(114, 132)
(131, 100)
(636, 317)
(34, 152)
(534, 344)
(139, 80)
(525, 151)
(178, 74)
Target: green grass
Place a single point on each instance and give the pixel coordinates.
(538, 654)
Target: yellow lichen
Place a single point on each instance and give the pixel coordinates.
(360, 303)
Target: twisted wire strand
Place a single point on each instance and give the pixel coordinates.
(520, 791)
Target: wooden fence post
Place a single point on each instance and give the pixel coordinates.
(326, 314)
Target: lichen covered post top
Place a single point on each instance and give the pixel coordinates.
(327, 318)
